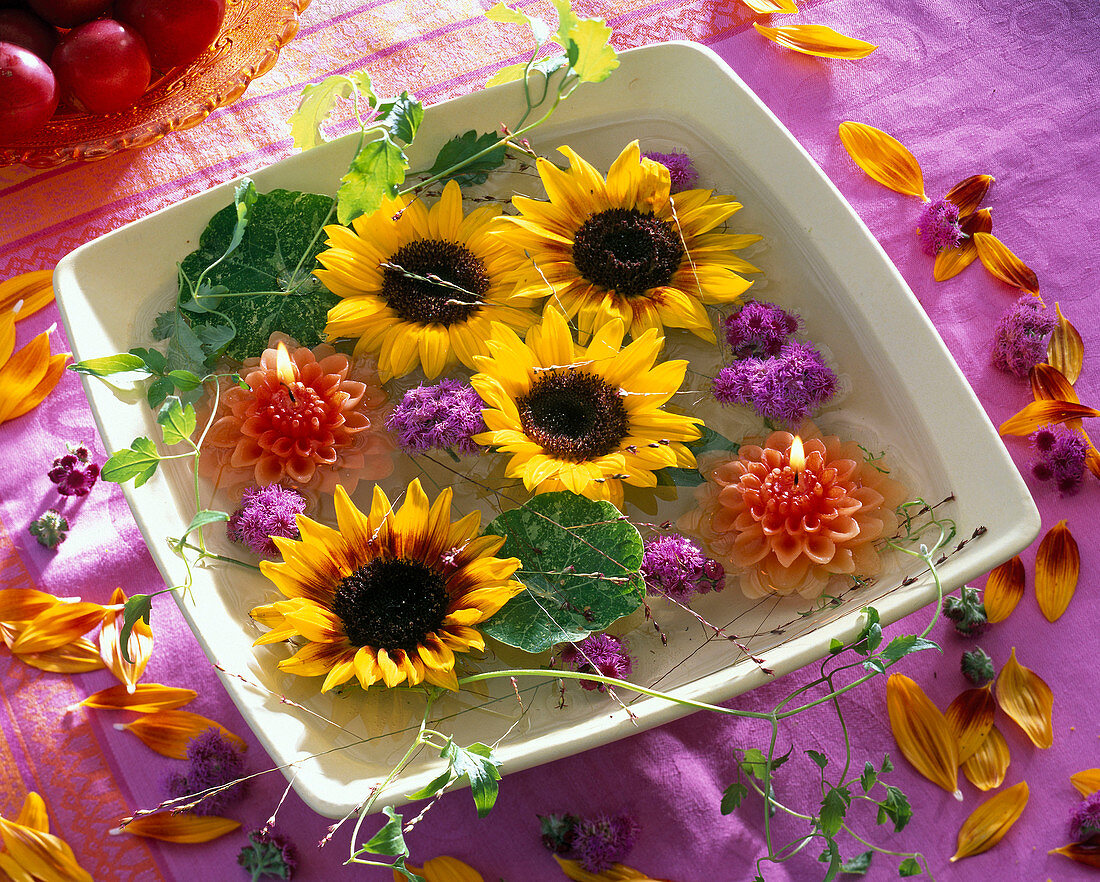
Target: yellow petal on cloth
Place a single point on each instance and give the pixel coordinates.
(771, 7)
(968, 194)
(1025, 696)
(1087, 853)
(818, 40)
(146, 698)
(168, 732)
(1003, 590)
(443, 869)
(987, 767)
(884, 158)
(970, 717)
(33, 814)
(75, 657)
(34, 289)
(59, 624)
(1050, 384)
(139, 647)
(1066, 350)
(1042, 413)
(1005, 265)
(614, 873)
(45, 856)
(183, 827)
(922, 733)
(989, 822)
(23, 604)
(1057, 568)
(952, 261)
(26, 376)
(55, 370)
(14, 871)
(1087, 782)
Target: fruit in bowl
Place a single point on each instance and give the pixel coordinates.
(102, 66)
(28, 90)
(175, 31)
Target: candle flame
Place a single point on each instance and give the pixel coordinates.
(797, 456)
(284, 367)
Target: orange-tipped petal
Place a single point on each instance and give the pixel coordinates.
(57, 625)
(183, 828)
(1066, 350)
(1042, 413)
(34, 289)
(884, 158)
(146, 698)
(140, 646)
(1087, 782)
(922, 733)
(1050, 384)
(614, 873)
(771, 7)
(1003, 590)
(1057, 567)
(22, 372)
(23, 604)
(1087, 852)
(970, 717)
(967, 195)
(987, 767)
(1006, 266)
(952, 261)
(77, 657)
(989, 822)
(443, 869)
(45, 856)
(33, 814)
(168, 732)
(817, 40)
(1025, 696)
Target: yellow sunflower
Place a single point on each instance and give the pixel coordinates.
(389, 596)
(420, 286)
(582, 418)
(625, 248)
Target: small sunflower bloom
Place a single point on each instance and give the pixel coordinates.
(624, 248)
(420, 286)
(390, 595)
(584, 419)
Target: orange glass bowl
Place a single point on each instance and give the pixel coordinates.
(247, 47)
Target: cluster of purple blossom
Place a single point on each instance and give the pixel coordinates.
(74, 473)
(597, 654)
(1020, 338)
(266, 512)
(445, 416)
(1084, 823)
(681, 169)
(675, 567)
(597, 843)
(759, 329)
(1060, 457)
(938, 227)
(214, 761)
(785, 388)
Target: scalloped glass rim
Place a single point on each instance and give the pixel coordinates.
(253, 33)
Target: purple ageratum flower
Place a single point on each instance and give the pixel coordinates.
(266, 512)
(674, 566)
(74, 473)
(759, 329)
(785, 389)
(598, 654)
(938, 227)
(680, 169)
(214, 761)
(268, 855)
(1085, 820)
(1020, 338)
(438, 417)
(1060, 457)
(604, 840)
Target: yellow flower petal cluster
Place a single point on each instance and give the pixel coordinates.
(585, 419)
(624, 248)
(45, 631)
(32, 852)
(26, 376)
(390, 595)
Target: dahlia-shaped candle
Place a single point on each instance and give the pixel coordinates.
(791, 527)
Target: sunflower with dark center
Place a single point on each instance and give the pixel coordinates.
(390, 595)
(585, 419)
(625, 248)
(420, 286)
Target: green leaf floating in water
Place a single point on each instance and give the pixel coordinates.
(580, 562)
(278, 253)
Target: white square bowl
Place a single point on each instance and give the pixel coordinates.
(904, 393)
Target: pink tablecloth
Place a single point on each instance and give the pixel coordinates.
(970, 86)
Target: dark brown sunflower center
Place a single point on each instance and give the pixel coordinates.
(432, 281)
(628, 252)
(391, 603)
(574, 415)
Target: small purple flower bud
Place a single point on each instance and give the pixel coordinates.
(597, 654)
(439, 417)
(1020, 337)
(74, 473)
(266, 512)
(681, 170)
(938, 227)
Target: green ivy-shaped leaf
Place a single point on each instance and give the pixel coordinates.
(462, 148)
(480, 767)
(137, 608)
(177, 423)
(376, 172)
(317, 102)
(138, 461)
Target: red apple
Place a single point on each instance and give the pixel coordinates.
(28, 92)
(27, 30)
(102, 66)
(176, 31)
(69, 13)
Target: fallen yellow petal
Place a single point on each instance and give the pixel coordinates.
(76, 657)
(16, 872)
(146, 698)
(57, 625)
(970, 717)
(34, 289)
(22, 373)
(1041, 413)
(952, 261)
(443, 869)
(922, 733)
(1066, 350)
(23, 604)
(615, 873)
(771, 7)
(884, 158)
(1003, 590)
(168, 732)
(1024, 696)
(7, 336)
(987, 767)
(1092, 459)
(140, 645)
(1050, 384)
(1087, 852)
(990, 821)
(1006, 266)
(43, 855)
(33, 814)
(184, 827)
(817, 40)
(55, 370)
(1086, 782)
(1057, 567)
(968, 194)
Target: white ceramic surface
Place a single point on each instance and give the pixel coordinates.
(903, 393)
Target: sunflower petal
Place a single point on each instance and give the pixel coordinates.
(1025, 696)
(23, 604)
(967, 195)
(1006, 266)
(987, 767)
(884, 158)
(1087, 782)
(952, 261)
(615, 873)
(990, 821)
(35, 289)
(168, 732)
(1050, 384)
(970, 717)
(771, 7)
(57, 625)
(818, 40)
(76, 657)
(139, 646)
(922, 733)
(1041, 413)
(1087, 852)
(55, 370)
(1003, 590)
(43, 855)
(1057, 567)
(33, 814)
(183, 827)
(443, 869)
(146, 698)
(1066, 350)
